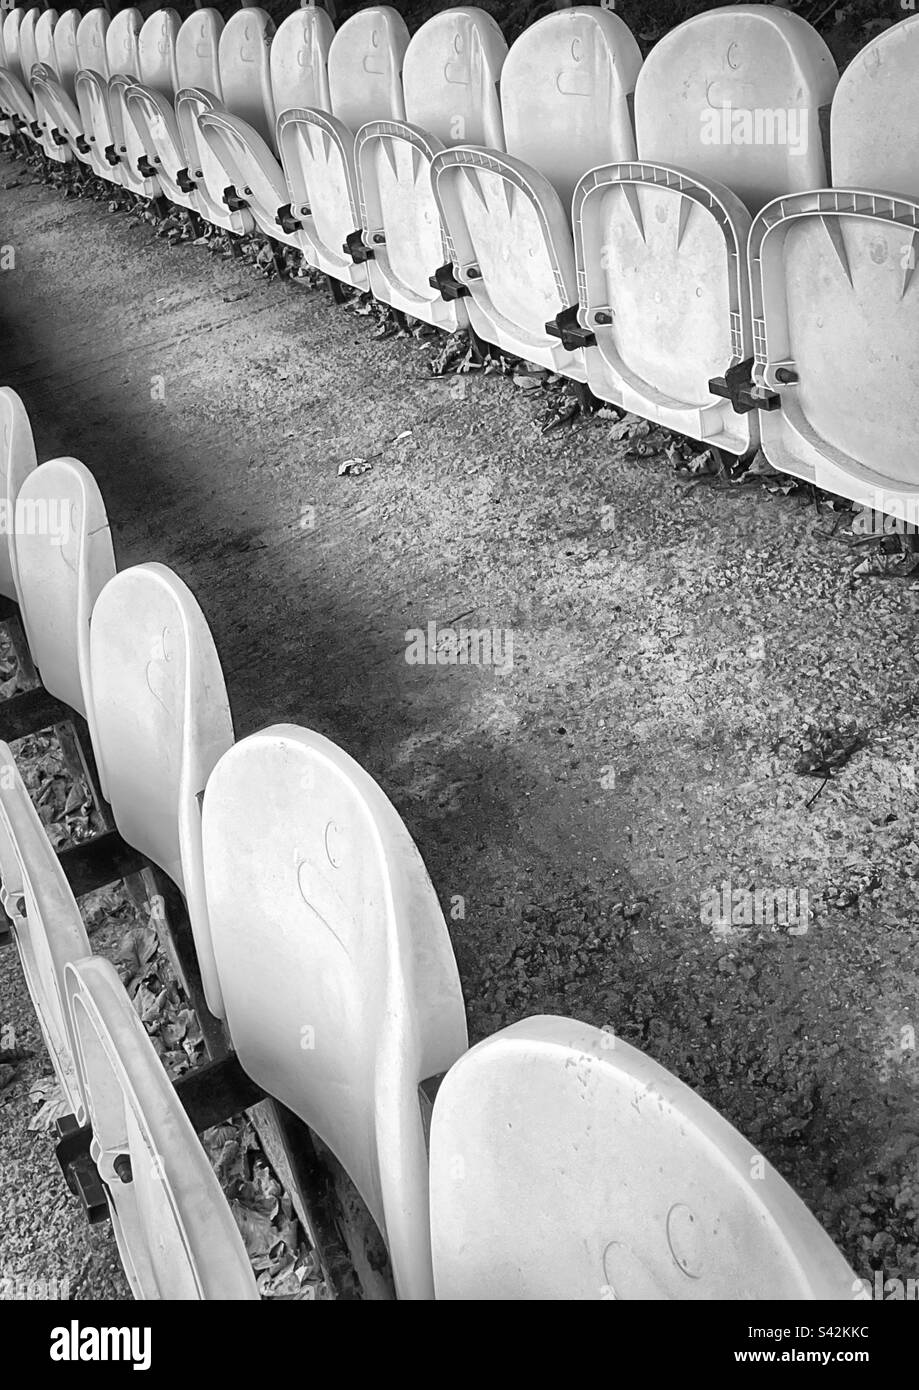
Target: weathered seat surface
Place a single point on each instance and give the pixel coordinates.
(47, 925)
(836, 296)
(727, 114)
(162, 721)
(337, 972)
(175, 1232)
(567, 1165)
(565, 93)
(64, 559)
(449, 77)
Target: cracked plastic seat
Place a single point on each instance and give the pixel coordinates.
(565, 1164)
(337, 972)
(449, 79)
(155, 71)
(727, 114)
(173, 1226)
(245, 89)
(317, 146)
(241, 135)
(64, 558)
(47, 925)
(154, 114)
(565, 92)
(117, 52)
(162, 721)
(17, 460)
(836, 295)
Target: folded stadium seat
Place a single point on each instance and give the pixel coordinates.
(45, 24)
(7, 127)
(99, 107)
(44, 73)
(47, 925)
(156, 71)
(317, 146)
(566, 1164)
(565, 92)
(727, 115)
(175, 1232)
(157, 125)
(17, 460)
(28, 49)
(78, 43)
(63, 562)
(162, 720)
(241, 134)
(341, 991)
(449, 79)
(836, 295)
(12, 23)
(243, 69)
(17, 104)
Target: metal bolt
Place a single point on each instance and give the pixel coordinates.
(305, 212)
(21, 906)
(473, 273)
(378, 239)
(603, 317)
(786, 376)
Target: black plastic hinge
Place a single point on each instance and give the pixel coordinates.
(286, 220)
(444, 279)
(146, 168)
(233, 200)
(186, 184)
(111, 155)
(565, 326)
(82, 145)
(80, 1172)
(57, 137)
(355, 248)
(737, 386)
(35, 128)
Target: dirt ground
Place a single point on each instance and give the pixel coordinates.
(674, 647)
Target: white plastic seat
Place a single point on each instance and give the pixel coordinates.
(245, 90)
(241, 136)
(17, 460)
(449, 79)
(64, 558)
(155, 71)
(317, 146)
(79, 43)
(567, 1165)
(28, 49)
(727, 114)
(153, 113)
(12, 23)
(162, 721)
(836, 296)
(99, 104)
(45, 24)
(47, 925)
(66, 60)
(18, 106)
(173, 1226)
(338, 977)
(565, 91)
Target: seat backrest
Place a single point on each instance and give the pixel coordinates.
(66, 60)
(197, 43)
(64, 557)
(298, 60)
(450, 78)
(12, 23)
(49, 930)
(91, 41)
(553, 1135)
(735, 95)
(175, 1230)
(17, 460)
(565, 92)
(122, 43)
(335, 964)
(162, 721)
(44, 38)
(156, 47)
(874, 102)
(245, 73)
(28, 50)
(365, 67)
